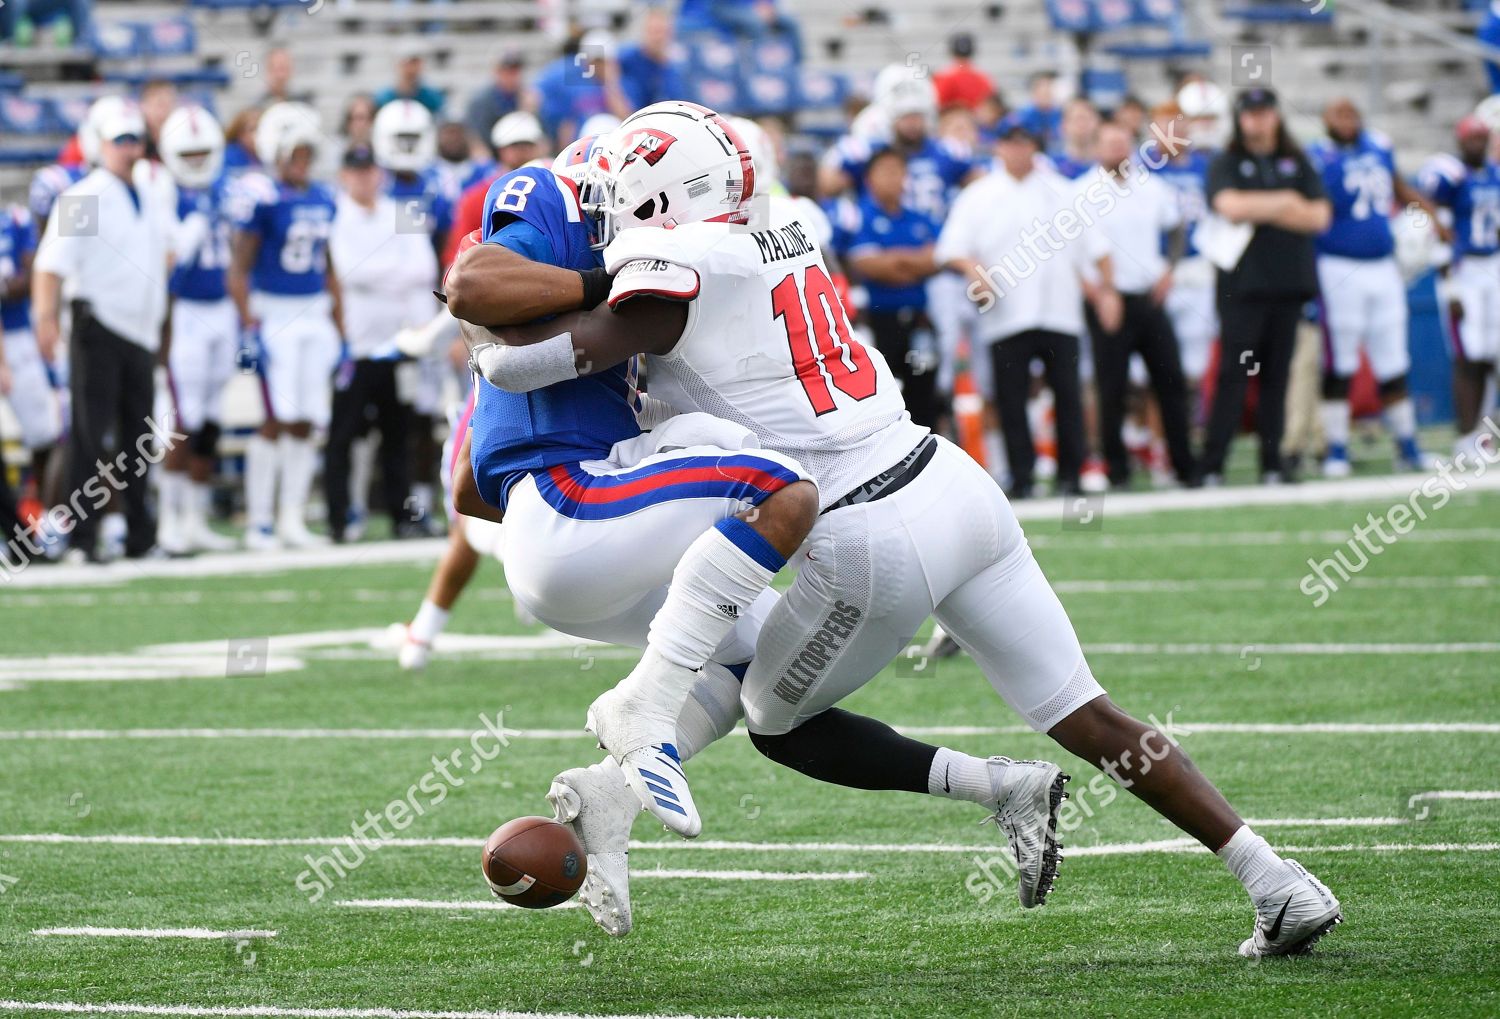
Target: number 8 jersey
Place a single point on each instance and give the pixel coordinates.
(767, 344)
(293, 226)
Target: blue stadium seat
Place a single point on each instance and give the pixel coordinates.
(719, 92)
(70, 112)
(773, 54)
(117, 40)
(709, 53)
(1275, 11)
(1157, 12)
(823, 90)
(211, 76)
(1105, 88)
(11, 82)
(171, 37)
(1175, 50)
(767, 93)
(23, 116)
(28, 157)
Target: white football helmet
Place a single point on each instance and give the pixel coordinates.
(192, 146)
(284, 128)
(404, 137)
(667, 165)
(102, 109)
(1206, 108)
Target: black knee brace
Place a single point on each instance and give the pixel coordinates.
(205, 441)
(1335, 387)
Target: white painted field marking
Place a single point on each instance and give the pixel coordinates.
(1092, 540)
(1187, 728)
(1142, 586)
(277, 1012)
(1326, 822)
(44, 599)
(750, 875)
(191, 933)
(1303, 648)
(1459, 794)
(458, 907)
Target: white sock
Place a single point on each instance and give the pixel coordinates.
(429, 622)
(719, 576)
(298, 462)
(1401, 418)
(261, 458)
(361, 467)
(960, 777)
(200, 501)
(1253, 862)
(711, 711)
(1336, 422)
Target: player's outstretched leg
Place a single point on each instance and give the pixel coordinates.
(719, 576)
(852, 750)
(596, 802)
(449, 578)
(1293, 909)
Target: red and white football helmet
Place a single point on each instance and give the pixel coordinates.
(667, 165)
(403, 137)
(192, 146)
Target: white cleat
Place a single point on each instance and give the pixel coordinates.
(294, 534)
(206, 539)
(640, 736)
(1337, 467)
(1290, 920)
(261, 539)
(411, 654)
(1027, 797)
(600, 808)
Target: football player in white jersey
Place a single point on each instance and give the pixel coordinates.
(740, 321)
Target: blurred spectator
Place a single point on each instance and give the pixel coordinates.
(158, 100)
(752, 19)
(504, 94)
(1131, 115)
(517, 138)
(891, 251)
(66, 21)
(583, 81)
(112, 257)
(988, 114)
(1042, 116)
(1262, 179)
(278, 71)
(239, 141)
(386, 279)
(359, 120)
(1144, 206)
(1030, 296)
(409, 83)
(1074, 154)
(1489, 31)
(647, 74)
(961, 83)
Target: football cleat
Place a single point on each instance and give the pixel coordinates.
(411, 654)
(1027, 797)
(1337, 467)
(639, 735)
(600, 808)
(1290, 920)
(261, 539)
(940, 645)
(206, 539)
(293, 533)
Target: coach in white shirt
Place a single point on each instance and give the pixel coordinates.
(1017, 237)
(1134, 208)
(387, 273)
(107, 245)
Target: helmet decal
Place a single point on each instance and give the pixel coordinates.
(649, 144)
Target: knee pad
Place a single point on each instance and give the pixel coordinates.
(1335, 387)
(205, 441)
(1394, 389)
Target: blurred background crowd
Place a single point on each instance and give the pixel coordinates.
(1097, 240)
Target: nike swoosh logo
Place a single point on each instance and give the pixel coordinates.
(945, 778)
(1275, 928)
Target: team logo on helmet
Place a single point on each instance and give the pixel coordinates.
(648, 144)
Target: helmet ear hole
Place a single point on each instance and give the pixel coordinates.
(645, 210)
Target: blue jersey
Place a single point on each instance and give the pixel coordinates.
(879, 230)
(536, 214)
(1069, 167)
(49, 182)
(1188, 178)
(293, 226)
(1473, 195)
(423, 199)
(17, 240)
(199, 276)
(934, 172)
(1360, 179)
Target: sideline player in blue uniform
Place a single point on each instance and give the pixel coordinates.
(286, 294)
(203, 328)
(1363, 295)
(1468, 187)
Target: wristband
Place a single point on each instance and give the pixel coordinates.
(596, 284)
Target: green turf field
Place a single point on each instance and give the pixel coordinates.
(1194, 617)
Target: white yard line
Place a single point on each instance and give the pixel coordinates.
(278, 1012)
(485, 905)
(1301, 648)
(190, 933)
(1459, 794)
(1183, 728)
(1141, 586)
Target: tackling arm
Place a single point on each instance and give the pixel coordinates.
(492, 285)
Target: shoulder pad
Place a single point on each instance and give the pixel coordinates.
(653, 277)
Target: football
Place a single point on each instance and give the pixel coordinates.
(534, 862)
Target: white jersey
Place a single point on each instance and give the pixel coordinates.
(768, 345)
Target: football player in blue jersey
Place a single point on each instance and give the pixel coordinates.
(1363, 296)
(1468, 187)
(287, 298)
(202, 332)
(33, 392)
